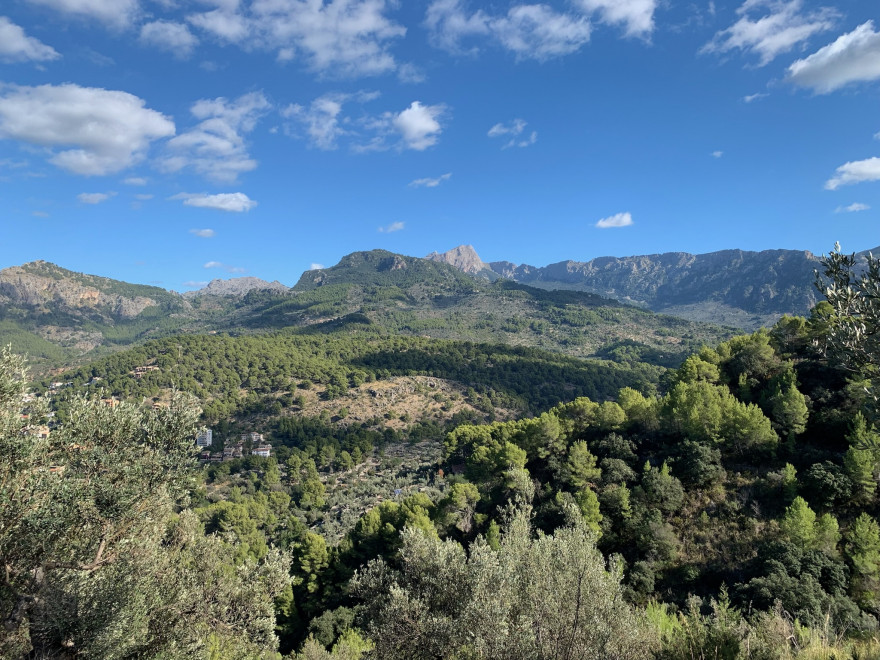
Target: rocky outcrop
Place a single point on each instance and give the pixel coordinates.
(466, 259)
(236, 286)
(44, 286)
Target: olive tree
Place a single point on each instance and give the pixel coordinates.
(544, 596)
(853, 320)
(99, 556)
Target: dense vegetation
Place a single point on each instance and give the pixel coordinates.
(381, 290)
(236, 376)
(726, 509)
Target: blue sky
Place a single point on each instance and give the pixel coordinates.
(175, 141)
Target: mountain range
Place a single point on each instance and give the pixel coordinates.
(731, 287)
(581, 308)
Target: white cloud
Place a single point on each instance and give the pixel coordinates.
(448, 24)
(855, 172)
(94, 198)
(429, 182)
(226, 267)
(144, 197)
(514, 129)
(225, 23)
(233, 202)
(203, 233)
(754, 97)
(781, 26)
(394, 226)
(616, 220)
(418, 125)
(717, 154)
(852, 208)
(216, 147)
(174, 38)
(410, 73)
(40, 214)
(852, 57)
(107, 130)
(114, 13)
(336, 37)
(321, 119)
(538, 32)
(314, 266)
(16, 46)
(135, 181)
(530, 31)
(636, 15)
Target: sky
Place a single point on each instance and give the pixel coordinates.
(172, 142)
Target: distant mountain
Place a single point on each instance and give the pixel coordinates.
(236, 286)
(465, 258)
(732, 287)
(61, 317)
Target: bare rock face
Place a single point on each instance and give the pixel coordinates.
(43, 286)
(236, 286)
(463, 257)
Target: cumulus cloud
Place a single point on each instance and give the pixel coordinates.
(530, 31)
(636, 15)
(226, 267)
(717, 154)
(429, 182)
(321, 119)
(174, 38)
(852, 57)
(855, 172)
(94, 198)
(16, 46)
(394, 226)
(203, 233)
(852, 208)
(232, 202)
(514, 130)
(93, 131)
(769, 28)
(418, 125)
(216, 147)
(113, 13)
(338, 37)
(135, 181)
(616, 220)
(314, 266)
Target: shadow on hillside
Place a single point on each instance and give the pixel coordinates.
(513, 377)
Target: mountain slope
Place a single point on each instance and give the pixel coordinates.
(731, 287)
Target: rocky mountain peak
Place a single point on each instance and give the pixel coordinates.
(236, 286)
(463, 257)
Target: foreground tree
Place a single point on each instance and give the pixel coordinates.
(853, 317)
(95, 560)
(546, 597)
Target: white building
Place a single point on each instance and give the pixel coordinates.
(254, 438)
(262, 450)
(204, 438)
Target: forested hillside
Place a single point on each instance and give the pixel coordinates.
(432, 498)
(61, 318)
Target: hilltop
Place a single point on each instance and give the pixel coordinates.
(63, 318)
